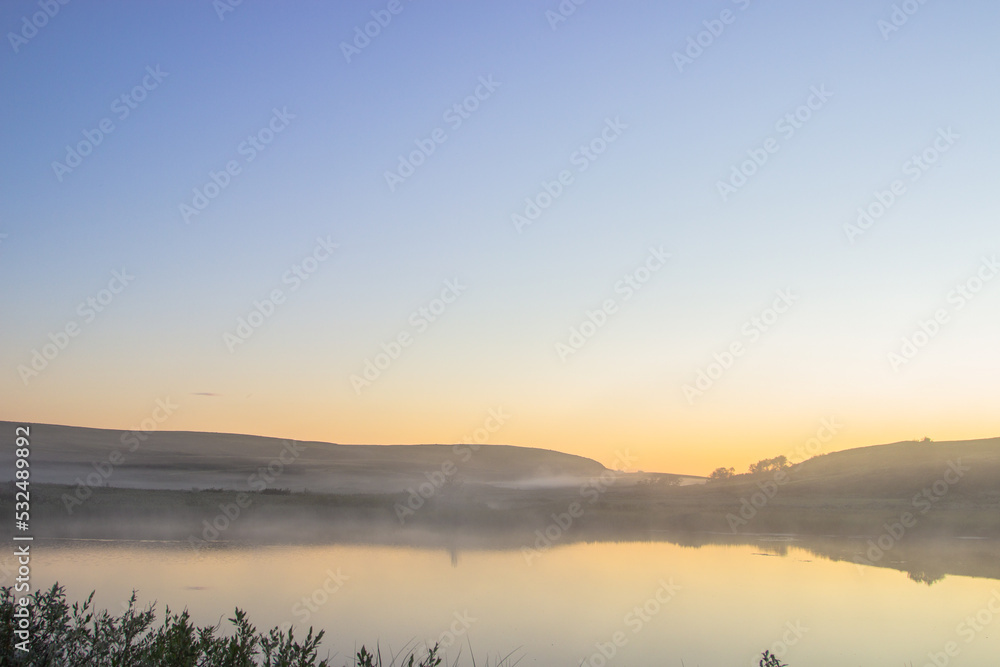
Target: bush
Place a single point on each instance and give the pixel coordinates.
(769, 465)
(722, 473)
(769, 660)
(78, 636)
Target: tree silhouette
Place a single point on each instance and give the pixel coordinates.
(769, 465)
(722, 473)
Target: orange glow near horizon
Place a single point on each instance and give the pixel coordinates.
(690, 444)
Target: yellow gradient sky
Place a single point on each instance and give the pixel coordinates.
(566, 221)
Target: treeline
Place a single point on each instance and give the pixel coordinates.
(761, 467)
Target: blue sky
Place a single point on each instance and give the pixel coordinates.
(323, 176)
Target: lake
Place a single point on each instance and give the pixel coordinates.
(639, 603)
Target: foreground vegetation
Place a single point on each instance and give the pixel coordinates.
(62, 635)
(69, 636)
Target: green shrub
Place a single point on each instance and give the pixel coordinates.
(769, 660)
(78, 636)
(61, 635)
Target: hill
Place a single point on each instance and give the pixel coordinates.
(850, 504)
(191, 460)
(964, 469)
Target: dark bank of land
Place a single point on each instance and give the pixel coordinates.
(927, 508)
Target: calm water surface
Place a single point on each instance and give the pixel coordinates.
(710, 606)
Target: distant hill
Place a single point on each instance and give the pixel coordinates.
(900, 469)
(503, 495)
(187, 460)
(952, 489)
(193, 460)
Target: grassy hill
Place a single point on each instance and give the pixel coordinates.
(192, 460)
(898, 470)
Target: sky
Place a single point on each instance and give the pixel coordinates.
(696, 234)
